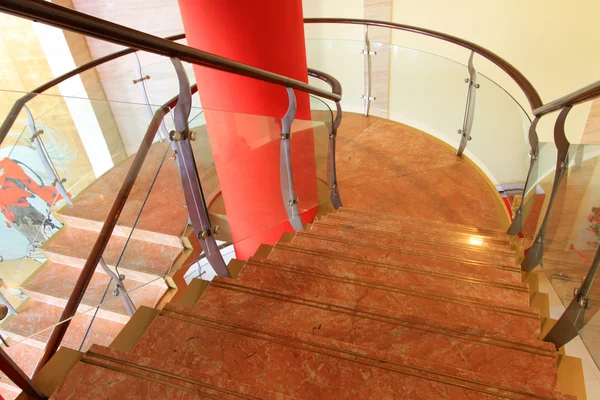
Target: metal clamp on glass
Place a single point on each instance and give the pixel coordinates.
(368, 53)
(465, 132)
(190, 179)
(46, 162)
(290, 201)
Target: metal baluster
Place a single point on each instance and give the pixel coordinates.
(194, 196)
(290, 201)
(57, 183)
(517, 224)
(120, 290)
(367, 96)
(574, 318)
(535, 254)
(162, 131)
(465, 132)
(331, 170)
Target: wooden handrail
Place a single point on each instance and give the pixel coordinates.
(532, 95)
(584, 94)
(74, 21)
(335, 85)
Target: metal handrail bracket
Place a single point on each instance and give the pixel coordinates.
(290, 201)
(536, 252)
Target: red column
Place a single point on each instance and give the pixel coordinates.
(243, 114)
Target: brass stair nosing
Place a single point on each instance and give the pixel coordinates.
(89, 358)
(391, 289)
(492, 341)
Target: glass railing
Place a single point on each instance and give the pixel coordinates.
(151, 240)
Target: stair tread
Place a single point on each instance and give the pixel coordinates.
(153, 372)
(96, 200)
(407, 278)
(418, 233)
(299, 368)
(412, 245)
(38, 318)
(253, 311)
(58, 280)
(375, 253)
(73, 243)
(423, 222)
(518, 323)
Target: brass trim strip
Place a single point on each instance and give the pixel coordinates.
(425, 255)
(492, 341)
(409, 239)
(350, 355)
(346, 217)
(91, 354)
(392, 289)
(404, 267)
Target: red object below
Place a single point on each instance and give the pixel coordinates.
(244, 115)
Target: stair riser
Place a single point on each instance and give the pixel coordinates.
(426, 248)
(417, 280)
(129, 274)
(123, 231)
(417, 261)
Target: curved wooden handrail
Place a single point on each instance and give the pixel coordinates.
(74, 21)
(335, 85)
(584, 94)
(532, 95)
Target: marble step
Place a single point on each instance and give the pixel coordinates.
(8, 390)
(531, 363)
(164, 218)
(429, 224)
(416, 279)
(37, 320)
(373, 252)
(519, 322)
(142, 261)
(26, 355)
(302, 369)
(110, 374)
(414, 233)
(54, 283)
(431, 248)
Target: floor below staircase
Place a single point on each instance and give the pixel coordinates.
(359, 305)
